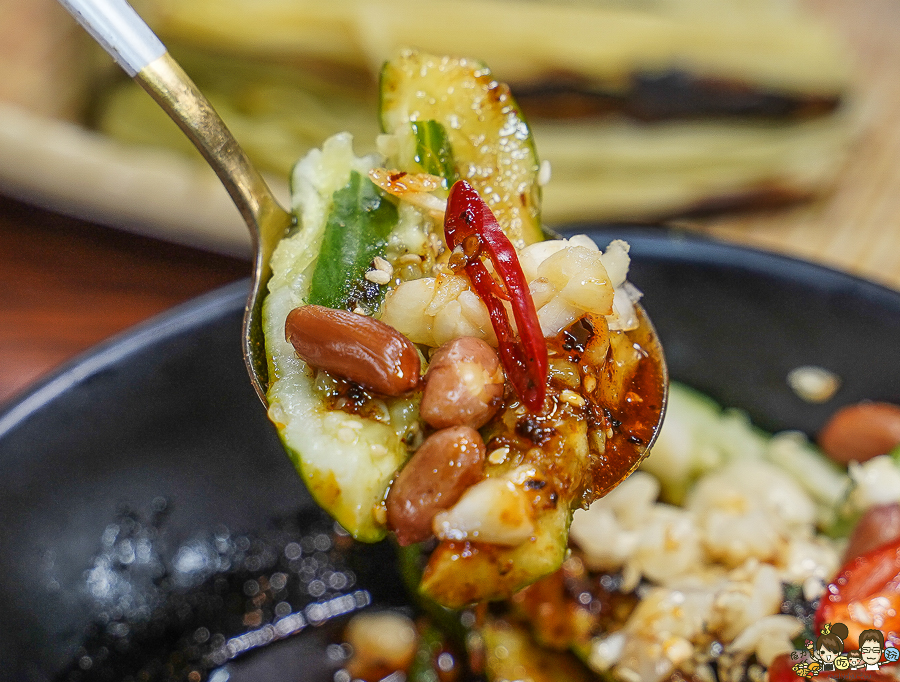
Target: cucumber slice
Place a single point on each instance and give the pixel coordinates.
(492, 145)
(346, 460)
(356, 231)
(447, 117)
(458, 574)
(512, 654)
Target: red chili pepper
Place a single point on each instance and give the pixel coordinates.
(782, 670)
(865, 594)
(525, 359)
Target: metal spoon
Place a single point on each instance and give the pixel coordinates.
(125, 36)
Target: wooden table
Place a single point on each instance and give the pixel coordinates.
(66, 284)
(856, 227)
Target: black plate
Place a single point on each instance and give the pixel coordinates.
(165, 415)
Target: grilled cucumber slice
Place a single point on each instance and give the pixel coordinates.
(346, 460)
(470, 129)
(450, 118)
(492, 145)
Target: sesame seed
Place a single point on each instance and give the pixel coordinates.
(435, 243)
(382, 265)
(378, 277)
(498, 456)
(570, 397)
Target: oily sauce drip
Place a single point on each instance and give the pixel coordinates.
(633, 423)
(623, 422)
(582, 397)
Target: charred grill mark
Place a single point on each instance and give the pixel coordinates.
(667, 95)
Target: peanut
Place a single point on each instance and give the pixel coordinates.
(447, 463)
(878, 526)
(860, 432)
(463, 384)
(355, 347)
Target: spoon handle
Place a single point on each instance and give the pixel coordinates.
(122, 33)
(119, 30)
(125, 36)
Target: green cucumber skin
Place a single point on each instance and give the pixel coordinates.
(434, 153)
(357, 230)
(493, 146)
(346, 472)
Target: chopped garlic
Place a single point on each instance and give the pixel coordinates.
(494, 510)
(813, 384)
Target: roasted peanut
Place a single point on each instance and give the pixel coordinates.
(446, 464)
(463, 384)
(860, 432)
(878, 526)
(355, 347)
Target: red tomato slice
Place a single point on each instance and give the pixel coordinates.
(782, 670)
(865, 594)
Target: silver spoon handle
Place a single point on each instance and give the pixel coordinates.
(119, 30)
(125, 36)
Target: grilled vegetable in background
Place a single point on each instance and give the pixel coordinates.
(643, 109)
(451, 216)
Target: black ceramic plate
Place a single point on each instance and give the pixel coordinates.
(143, 492)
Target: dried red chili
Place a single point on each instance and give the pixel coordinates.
(525, 358)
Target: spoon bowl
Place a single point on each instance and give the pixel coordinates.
(651, 382)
